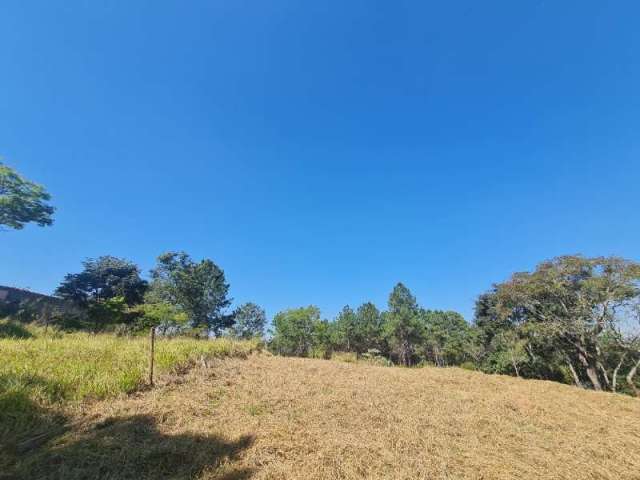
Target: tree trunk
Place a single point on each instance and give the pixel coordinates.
(576, 378)
(590, 368)
(589, 363)
(530, 352)
(404, 353)
(604, 375)
(614, 379)
(592, 373)
(515, 365)
(630, 376)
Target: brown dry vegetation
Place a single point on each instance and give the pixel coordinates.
(271, 417)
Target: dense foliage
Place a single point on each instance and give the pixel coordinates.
(184, 296)
(104, 278)
(105, 287)
(406, 333)
(572, 320)
(22, 201)
(250, 321)
(197, 288)
(296, 331)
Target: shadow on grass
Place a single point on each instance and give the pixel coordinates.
(10, 329)
(118, 448)
(24, 423)
(20, 416)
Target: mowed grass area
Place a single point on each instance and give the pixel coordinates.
(266, 417)
(46, 375)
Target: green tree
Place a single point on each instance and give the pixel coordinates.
(250, 321)
(104, 278)
(294, 331)
(324, 335)
(487, 319)
(22, 201)
(198, 288)
(496, 334)
(573, 306)
(160, 315)
(446, 337)
(403, 329)
(346, 334)
(370, 329)
(107, 311)
(508, 352)
(359, 331)
(105, 287)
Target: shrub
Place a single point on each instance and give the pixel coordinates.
(468, 366)
(374, 357)
(348, 357)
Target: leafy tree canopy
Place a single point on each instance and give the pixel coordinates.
(22, 201)
(161, 315)
(403, 330)
(358, 331)
(198, 288)
(250, 321)
(369, 326)
(446, 337)
(573, 305)
(346, 336)
(102, 279)
(294, 331)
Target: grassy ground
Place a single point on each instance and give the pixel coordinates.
(46, 379)
(267, 417)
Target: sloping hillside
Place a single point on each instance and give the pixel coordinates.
(270, 417)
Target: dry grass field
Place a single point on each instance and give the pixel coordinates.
(269, 417)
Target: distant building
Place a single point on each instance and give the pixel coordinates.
(12, 294)
(28, 306)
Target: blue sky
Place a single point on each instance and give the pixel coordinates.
(320, 152)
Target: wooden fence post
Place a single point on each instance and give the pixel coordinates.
(152, 343)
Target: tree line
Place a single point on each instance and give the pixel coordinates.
(182, 296)
(405, 333)
(573, 319)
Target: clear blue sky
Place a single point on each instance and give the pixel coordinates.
(322, 151)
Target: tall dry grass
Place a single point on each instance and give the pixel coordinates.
(317, 419)
(42, 373)
(272, 418)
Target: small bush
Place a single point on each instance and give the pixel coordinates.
(468, 366)
(319, 352)
(374, 357)
(9, 329)
(123, 330)
(347, 357)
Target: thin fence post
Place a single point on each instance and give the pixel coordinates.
(152, 344)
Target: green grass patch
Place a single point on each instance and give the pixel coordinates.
(76, 366)
(40, 370)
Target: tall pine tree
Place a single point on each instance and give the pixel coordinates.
(403, 329)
